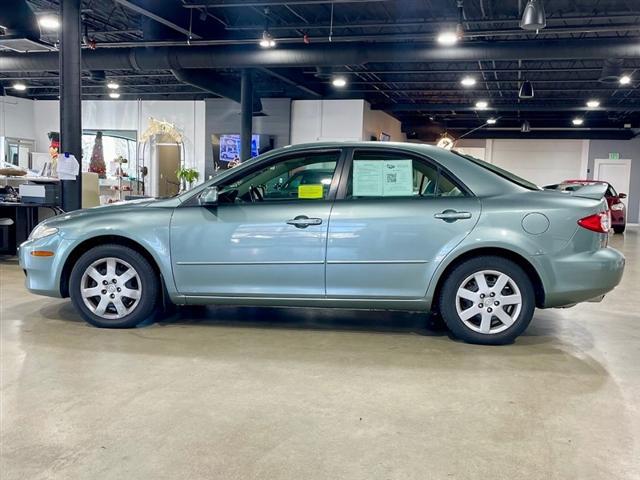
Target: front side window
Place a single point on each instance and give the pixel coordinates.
(304, 177)
(382, 175)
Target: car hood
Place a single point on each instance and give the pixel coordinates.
(118, 207)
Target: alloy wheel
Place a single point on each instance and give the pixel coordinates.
(488, 301)
(111, 288)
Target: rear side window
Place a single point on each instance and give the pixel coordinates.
(384, 174)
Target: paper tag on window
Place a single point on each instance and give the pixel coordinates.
(311, 191)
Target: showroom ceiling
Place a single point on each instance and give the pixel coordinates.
(388, 51)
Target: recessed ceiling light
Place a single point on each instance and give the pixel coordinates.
(577, 121)
(593, 104)
(114, 95)
(21, 87)
(447, 38)
(625, 80)
(49, 22)
(339, 82)
(468, 81)
(267, 41)
(113, 86)
(491, 121)
(482, 104)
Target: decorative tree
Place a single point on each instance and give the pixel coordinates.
(97, 165)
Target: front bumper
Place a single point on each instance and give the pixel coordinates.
(43, 273)
(580, 277)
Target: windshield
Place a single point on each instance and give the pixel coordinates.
(501, 172)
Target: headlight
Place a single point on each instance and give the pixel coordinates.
(42, 231)
(617, 206)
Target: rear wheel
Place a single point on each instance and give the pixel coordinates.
(487, 300)
(113, 286)
(619, 228)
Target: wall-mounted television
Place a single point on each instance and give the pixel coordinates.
(226, 147)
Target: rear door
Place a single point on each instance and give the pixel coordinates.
(396, 217)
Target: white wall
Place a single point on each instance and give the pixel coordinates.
(377, 122)
(541, 161)
(16, 120)
(326, 120)
(188, 116)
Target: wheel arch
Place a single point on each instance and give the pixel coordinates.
(515, 257)
(92, 242)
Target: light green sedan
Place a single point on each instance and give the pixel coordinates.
(386, 226)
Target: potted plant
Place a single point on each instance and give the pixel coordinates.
(187, 175)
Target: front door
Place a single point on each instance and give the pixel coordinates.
(267, 235)
(398, 217)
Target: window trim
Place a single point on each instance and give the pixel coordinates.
(241, 173)
(348, 166)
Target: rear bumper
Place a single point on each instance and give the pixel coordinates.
(580, 277)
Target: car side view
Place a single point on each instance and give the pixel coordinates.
(368, 225)
(614, 200)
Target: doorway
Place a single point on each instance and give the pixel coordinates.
(616, 172)
(168, 164)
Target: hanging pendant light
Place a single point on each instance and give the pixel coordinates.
(533, 16)
(526, 90)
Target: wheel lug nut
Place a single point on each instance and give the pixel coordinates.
(104, 282)
(121, 289)
(496, 303)
(480, 305)
(492, 294)
(489, 309)
(112, 296)
(114, 280)
(482, 295)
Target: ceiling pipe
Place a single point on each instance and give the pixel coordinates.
(355, 53)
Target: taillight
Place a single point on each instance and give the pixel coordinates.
(599, 222)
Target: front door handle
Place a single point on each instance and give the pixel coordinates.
(302, 221)
(452, 215)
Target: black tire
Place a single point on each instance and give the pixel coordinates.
(150, 287)
(619, 228)
(448, 298)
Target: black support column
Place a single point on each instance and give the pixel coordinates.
(246, 109)
(70, 98)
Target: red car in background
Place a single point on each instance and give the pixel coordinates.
(614, 199)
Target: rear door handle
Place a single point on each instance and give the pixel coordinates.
(452, 215)
(302, 221)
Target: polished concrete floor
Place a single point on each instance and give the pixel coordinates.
(311, 394)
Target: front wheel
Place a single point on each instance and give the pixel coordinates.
(487, 300)
(113, 286)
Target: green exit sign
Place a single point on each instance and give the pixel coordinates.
(614, 156)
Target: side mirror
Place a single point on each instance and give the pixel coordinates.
(209, 197)
(622, 195)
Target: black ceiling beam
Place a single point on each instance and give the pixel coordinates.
(425, 22)
(555, 134)
(153, 16)
(466, 70)
(269, 3)
(512, 107)
(326, 55)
